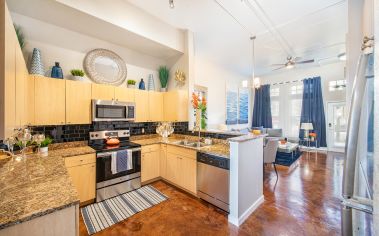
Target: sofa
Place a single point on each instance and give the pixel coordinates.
(275, 133)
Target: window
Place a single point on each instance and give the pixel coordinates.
(274, 92)
(337, 85)
(237, 106)
(286, 103)
(296, 89)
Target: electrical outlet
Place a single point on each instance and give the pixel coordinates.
(143, 130)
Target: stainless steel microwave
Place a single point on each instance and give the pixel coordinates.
(113, 110)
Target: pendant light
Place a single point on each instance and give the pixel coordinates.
(256, 80)
(171, 3)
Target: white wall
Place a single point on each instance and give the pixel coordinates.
(216, 78)
(69, 48)
(326, 72)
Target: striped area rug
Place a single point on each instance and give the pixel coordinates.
(101, 215)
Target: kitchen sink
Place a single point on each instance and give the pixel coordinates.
(189, 144)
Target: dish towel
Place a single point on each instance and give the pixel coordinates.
(114, 163)
(124, 160)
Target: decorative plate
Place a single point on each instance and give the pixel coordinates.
(103, 66)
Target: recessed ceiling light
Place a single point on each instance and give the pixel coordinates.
(171, 3)
(342, 56)
(290, 66)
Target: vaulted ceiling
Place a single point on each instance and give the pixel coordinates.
(312, 29)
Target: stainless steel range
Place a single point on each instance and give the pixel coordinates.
(107, 145)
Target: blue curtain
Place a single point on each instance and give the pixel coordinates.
(262, 107)
(312, 110)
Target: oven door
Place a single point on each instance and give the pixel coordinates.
(103, 167)
(104, 110)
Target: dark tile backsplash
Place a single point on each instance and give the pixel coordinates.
(70, 133)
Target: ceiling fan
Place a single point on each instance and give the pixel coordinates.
(291, 62)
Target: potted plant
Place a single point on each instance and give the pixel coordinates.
(131, 83)
(312, 136)
(200, 107)
(163, 77)
(44, 146)
(77, 74)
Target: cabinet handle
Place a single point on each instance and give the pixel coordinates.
(81, 160)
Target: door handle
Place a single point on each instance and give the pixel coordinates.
(330, 125)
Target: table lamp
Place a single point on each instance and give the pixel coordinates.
(306, 127)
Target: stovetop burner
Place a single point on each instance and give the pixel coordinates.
(98, 140)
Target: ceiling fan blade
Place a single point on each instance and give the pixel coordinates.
(278, 64)
(307, 61)
(279, 68)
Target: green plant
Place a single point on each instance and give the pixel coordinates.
(46, 142)
(131, 82)
(77, 72)
(163, 75)
(20, 36)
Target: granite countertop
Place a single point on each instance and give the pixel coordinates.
(246, 137)
(37, 185)
(217, 149)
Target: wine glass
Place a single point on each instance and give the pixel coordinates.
(10, 142)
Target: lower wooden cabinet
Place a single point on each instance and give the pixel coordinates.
(150, 162)
(163, 161)
(181, 167)
(82, 170)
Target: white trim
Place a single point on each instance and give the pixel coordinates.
(247, 213)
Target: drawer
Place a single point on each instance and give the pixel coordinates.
(80, 160)
(151, 148)
(184, 152)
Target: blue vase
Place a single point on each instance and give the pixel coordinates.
(141, 85)
(56, 71)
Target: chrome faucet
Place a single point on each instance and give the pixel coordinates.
(197, 127)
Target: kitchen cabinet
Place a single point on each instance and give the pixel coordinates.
(163, 161)
(176, 106)
(21, 76)
(29, 100)
(155, 106)
(8, 74)
(150, 162)
(49, 101)
(78, 102)
(102, 91)
(124, 94)
(142, 105)
(181, 167)
(82, 170)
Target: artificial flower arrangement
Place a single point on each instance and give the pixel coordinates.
(200, 104)
(312, 136)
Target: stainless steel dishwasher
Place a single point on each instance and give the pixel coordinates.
(213, 180)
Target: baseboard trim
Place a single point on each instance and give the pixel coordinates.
(247, 213)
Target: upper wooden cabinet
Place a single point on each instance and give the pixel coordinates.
(142, 105)
(30, 100)
(155, 106)
(102, 92)
(49, 101)
(21, 77)
(176, 106)
(78, 102)
(124, 94)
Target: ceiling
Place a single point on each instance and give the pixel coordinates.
(222, 28)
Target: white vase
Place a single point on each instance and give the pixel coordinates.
(43, 149)
(163, 89)
(198, 117)
(132, 86)
(78, 78)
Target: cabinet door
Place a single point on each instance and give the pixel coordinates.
(50, 101)
(176, 106)
(83, 178)
(155, 106)
(78, 102)
(172, 168)
(102, 92)
(163, 161)
(142, 105)
(29, 100)
(124, 94)
(187, 170)
(149, 166)
(20, 88)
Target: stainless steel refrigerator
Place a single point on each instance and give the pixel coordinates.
(357, 186)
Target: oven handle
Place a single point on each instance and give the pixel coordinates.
(103, 154)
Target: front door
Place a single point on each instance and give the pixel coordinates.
(337, 126)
